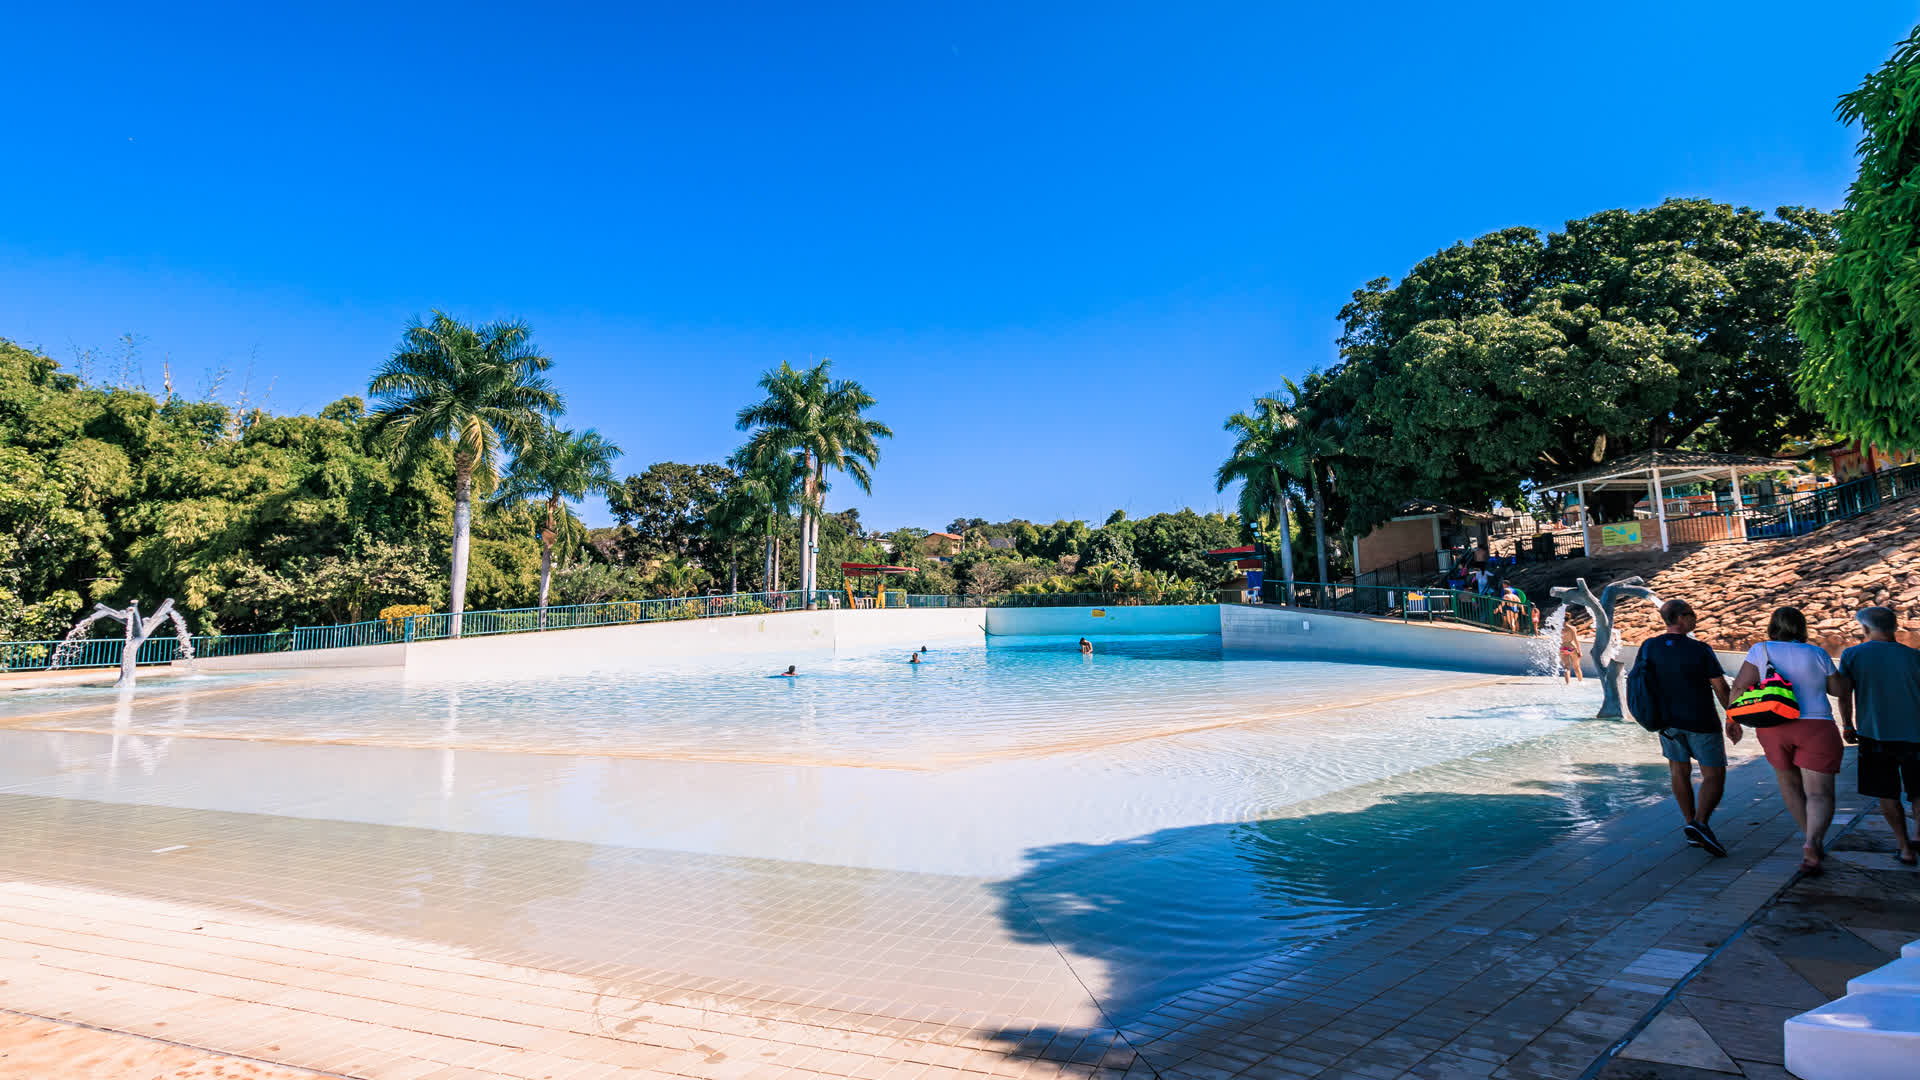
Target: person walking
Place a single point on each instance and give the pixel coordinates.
(1686, 678)
(1880, 687)
(1781, 692)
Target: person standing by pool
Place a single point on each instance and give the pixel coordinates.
(1794, 723)
(1686, 677)
(1570, 654)
(1880, 685)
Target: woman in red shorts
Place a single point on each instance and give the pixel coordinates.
(1804, 750)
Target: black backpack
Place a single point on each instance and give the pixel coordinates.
(1640, 692)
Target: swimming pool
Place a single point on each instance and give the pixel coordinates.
(1161, 812)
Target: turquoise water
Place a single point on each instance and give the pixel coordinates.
(1161, 811)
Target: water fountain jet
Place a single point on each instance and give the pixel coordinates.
(138, 631)
(1606, 646)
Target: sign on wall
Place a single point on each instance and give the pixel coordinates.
(1625, 533)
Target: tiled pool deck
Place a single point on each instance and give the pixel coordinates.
(395, 953)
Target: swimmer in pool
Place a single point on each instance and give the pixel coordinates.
(790, 673)
(1086, 647)
(923, 648)
(913, 658)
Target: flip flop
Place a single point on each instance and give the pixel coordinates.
(1906, 859)
(1811, 869)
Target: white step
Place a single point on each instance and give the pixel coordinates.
(1900, 977)
(1859, 1037)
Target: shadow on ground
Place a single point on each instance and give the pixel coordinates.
(1146, 919)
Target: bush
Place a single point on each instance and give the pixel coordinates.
(396, 616)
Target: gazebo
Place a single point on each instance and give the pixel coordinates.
(1678, 521)
(854, 571)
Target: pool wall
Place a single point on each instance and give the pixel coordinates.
(1051, 621)
(1321, 635)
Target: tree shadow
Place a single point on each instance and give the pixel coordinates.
(1147, 919)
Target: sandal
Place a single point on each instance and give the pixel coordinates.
(1906, 858)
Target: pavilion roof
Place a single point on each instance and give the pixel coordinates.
(1676, 467)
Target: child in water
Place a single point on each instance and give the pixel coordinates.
(1570, 655)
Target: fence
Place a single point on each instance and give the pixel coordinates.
(1417, 604)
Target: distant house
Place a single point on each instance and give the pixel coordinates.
(941, 545)
(1423, 536)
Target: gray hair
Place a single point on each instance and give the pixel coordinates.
(1880, 620)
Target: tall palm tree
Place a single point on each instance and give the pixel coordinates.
(483, 389)
(771, 477)
(556, 466)
(1315, 439)
(1267, 464)
(823, 419)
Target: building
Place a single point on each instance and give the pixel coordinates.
(1424, 537)
(941, 545)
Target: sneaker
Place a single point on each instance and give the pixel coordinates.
(1706, 840)
(1688, 833)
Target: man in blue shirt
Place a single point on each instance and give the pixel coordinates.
(1686, 679)
(1880, 686)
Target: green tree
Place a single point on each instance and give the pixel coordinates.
(1266, 462)
(1858, 313)
(482, 389)
(774, 480)
(664, 511)
(556, 466)
(1496, 365)
(824, 420)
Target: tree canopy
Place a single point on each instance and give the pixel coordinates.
(1860, 312)
(1504, 362)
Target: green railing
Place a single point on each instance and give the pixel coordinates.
(1411, 604)
(1407, 604)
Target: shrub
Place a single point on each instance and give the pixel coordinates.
(396, 616)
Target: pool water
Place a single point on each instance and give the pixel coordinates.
(1160, 810)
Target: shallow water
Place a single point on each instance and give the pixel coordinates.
(1161, 813)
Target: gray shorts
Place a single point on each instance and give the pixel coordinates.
(1708, 748)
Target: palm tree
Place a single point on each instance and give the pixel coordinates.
(1267, 463)
(553, 467)
(677, 577)
(480, 387)
(770, 477)
(823, 420)
(1316, 438)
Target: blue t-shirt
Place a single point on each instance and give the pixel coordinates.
(1886, 690)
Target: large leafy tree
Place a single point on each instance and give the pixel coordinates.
(1497, 364)
(824, 420)
(555, 467)
(1267, 463)
(665, 511)
(481, 389)
(1860, 312)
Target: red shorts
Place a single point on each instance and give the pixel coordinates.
(1810, 742)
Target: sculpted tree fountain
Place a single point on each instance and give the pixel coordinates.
(138, 632)
(1606, 649)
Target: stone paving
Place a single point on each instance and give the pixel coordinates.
(402, 954)
(1798, 953)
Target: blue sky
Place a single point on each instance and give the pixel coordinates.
(1059, 243)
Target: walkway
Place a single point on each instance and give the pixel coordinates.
(1798, 954)
(400, 954)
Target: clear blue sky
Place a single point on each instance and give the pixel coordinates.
(1059, 247)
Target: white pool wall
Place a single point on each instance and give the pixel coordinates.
(1092, 621)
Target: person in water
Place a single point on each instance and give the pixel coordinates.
(1086, 647)
(1570, 655)
(790, 673)
(913, 658)
(923, 648)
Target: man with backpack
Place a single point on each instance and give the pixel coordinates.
(1676, 679)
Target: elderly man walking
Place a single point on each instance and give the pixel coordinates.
(1880, 688)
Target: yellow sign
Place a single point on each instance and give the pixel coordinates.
(1619, 535)
(1099, 613)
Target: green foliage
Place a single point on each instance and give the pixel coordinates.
(1511, 360)
(669, 511)
(250, 523)
(1860, 312)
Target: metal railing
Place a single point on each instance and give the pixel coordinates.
(1411, 604)
(1408, 603)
